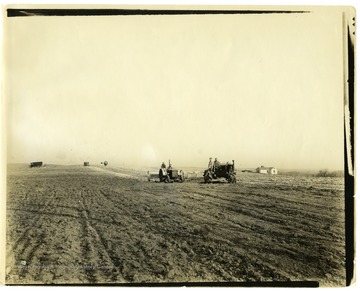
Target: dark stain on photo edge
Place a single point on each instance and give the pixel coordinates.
(130, 12)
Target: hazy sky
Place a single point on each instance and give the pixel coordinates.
(139, 90)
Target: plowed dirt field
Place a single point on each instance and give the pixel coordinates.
(74, 224)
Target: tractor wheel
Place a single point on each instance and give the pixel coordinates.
(182, 178)
(207, 177)
(232, 179)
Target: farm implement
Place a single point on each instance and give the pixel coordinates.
(218, 170)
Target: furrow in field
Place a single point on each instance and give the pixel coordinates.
(273, 212)
(29, 236)
(289, 244)
(171, 224)
(126, 230)
(120, 236)
(201, 224)
(97, 263)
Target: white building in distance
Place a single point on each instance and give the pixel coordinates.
(267, 170)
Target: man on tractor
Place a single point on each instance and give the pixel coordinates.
(210, 165)
(216, 164)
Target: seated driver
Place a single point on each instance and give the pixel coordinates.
(216, 163)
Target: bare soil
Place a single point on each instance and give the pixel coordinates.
(75, 224)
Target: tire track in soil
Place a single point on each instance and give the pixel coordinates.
(40, 240)
(21, 254)
(239, 248)
(141, 251)
(296, 248)
(251, 200)
(291, 252)
(204, 218)
(238, 252)
(217, 268)
(271, 214)
(119, 208)
(221, 251)
(26, 245)
(37, 219)
(95, 251)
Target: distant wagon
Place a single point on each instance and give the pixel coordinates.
(86, 164)
(36, 164)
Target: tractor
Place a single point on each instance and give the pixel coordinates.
(169, 174)
(217, 171)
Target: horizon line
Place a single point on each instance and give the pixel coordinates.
(181, 166)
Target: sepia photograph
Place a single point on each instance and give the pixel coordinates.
(154, 145)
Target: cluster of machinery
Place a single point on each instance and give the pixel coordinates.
(215, 170)
(168, 174)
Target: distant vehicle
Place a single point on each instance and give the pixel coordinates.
(36, 164)
(105, 163)
(226, 171)
(169, 174)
